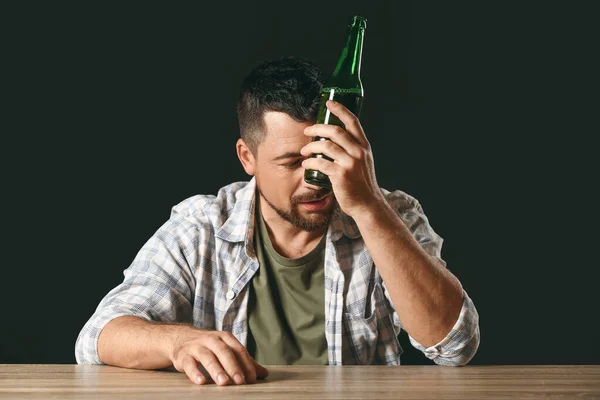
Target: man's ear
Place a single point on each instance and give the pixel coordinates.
(246, 157)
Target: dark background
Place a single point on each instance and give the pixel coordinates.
(116, 111)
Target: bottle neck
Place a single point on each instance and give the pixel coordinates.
(348, 64)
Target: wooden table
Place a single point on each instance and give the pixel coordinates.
(20, 381)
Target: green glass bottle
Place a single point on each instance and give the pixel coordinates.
(344, 86)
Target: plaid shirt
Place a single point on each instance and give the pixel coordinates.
(197, 266)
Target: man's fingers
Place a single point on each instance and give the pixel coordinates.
(246, 362)
(213, 367)
(350, 121)
(228, 360)
(321, 164)
(190, 367)
(222, 357)
(328, 148)
(261, 372)
(337, 134)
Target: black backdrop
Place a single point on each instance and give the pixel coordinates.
(117, 111)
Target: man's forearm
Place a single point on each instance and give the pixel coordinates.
(132, 342)
(426, 296)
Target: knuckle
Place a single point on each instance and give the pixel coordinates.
(338, 131)
(227, 334)
(235, 369)
(238, 347)
(212, 341)
(228, 357)
(189, 363)
(221, 347)
(213, 366)
(214, 335)
(205, 353)
(181, 355)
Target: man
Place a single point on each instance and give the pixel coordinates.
(278, 271)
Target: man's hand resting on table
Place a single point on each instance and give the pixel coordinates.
(131, 342)
(220, 353)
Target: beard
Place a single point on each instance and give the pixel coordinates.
(313, 222)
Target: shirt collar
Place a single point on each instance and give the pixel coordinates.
(240, 224)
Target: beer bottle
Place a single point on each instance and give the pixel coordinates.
(344, 86)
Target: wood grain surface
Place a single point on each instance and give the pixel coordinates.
(25, 381)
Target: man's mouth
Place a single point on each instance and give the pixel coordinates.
(317, 204)
(314, 201)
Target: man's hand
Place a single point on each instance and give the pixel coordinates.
(220, 353)
(352, 172)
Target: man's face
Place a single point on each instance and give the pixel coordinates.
(280, 176)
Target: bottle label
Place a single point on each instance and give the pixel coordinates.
(341, 90)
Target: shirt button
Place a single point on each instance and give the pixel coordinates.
(230, 295)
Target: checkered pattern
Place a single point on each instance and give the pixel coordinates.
(197, 266)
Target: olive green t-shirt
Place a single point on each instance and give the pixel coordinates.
(286, 305)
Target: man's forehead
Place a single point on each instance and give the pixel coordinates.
(282, 130)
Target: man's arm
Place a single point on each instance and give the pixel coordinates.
(419, 271)
(131, 342)
(427, 296)
(428, 300)
(145, 322)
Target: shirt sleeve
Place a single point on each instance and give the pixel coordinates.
(157, 286)
(462, 342)
(460, 345)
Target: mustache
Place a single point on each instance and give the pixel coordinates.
(312, 196)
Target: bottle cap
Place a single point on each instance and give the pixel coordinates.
(358, 21)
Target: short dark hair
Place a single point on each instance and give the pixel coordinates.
(290, 84)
